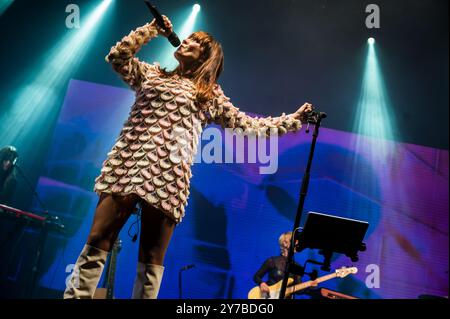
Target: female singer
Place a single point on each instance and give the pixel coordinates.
(150, 163)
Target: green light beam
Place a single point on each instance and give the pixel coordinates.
(374, 117)
(34, 108)
(4, 5)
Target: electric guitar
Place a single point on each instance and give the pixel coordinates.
(108, 291)
(274, 293)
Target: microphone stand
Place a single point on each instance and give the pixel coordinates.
(42, 237)
(35, 194)
(316, 119)
(180, 279)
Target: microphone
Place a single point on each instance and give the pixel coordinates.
(173, 38)
(187, 267)
(313, 117)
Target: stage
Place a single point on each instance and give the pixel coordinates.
(81, 111)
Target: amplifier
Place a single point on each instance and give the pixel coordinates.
(330, 294)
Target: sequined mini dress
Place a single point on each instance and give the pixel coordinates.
(153, 155)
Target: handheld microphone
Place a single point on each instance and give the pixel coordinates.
(173, 38)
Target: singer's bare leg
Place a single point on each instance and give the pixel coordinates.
(111, 214)
(156, 232)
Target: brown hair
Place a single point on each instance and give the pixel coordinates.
(210, 66)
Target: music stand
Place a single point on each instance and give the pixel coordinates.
(332, 234)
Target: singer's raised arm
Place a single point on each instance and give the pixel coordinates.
(122, 55)
(221, 111)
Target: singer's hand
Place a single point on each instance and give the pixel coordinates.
(302, 113)
(168, 25)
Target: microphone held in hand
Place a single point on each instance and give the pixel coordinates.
(173, 38)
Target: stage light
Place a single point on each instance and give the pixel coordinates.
(371, 41)
(374, 116)
(375, 150)
(196, 8)
(4, 4)
(35, 105)
(168, 60)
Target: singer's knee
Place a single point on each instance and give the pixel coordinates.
(101, 240)
(153, 256)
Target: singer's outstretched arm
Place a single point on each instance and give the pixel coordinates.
(222, 111)
(122, 55)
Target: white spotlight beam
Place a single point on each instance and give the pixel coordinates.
(196, 8)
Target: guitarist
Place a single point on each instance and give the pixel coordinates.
(274, 266)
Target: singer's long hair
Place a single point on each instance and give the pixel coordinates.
(208, 68)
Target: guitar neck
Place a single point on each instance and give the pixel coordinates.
(111, 276)
(295, 288)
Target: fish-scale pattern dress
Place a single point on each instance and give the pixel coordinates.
(153, 154)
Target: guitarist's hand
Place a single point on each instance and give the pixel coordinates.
(264, 288)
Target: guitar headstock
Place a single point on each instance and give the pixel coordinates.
(344, 271)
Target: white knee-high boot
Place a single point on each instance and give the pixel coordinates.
(86, 273)
(148, 280)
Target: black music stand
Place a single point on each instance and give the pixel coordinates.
(332, 234)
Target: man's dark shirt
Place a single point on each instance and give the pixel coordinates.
(274, 268)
